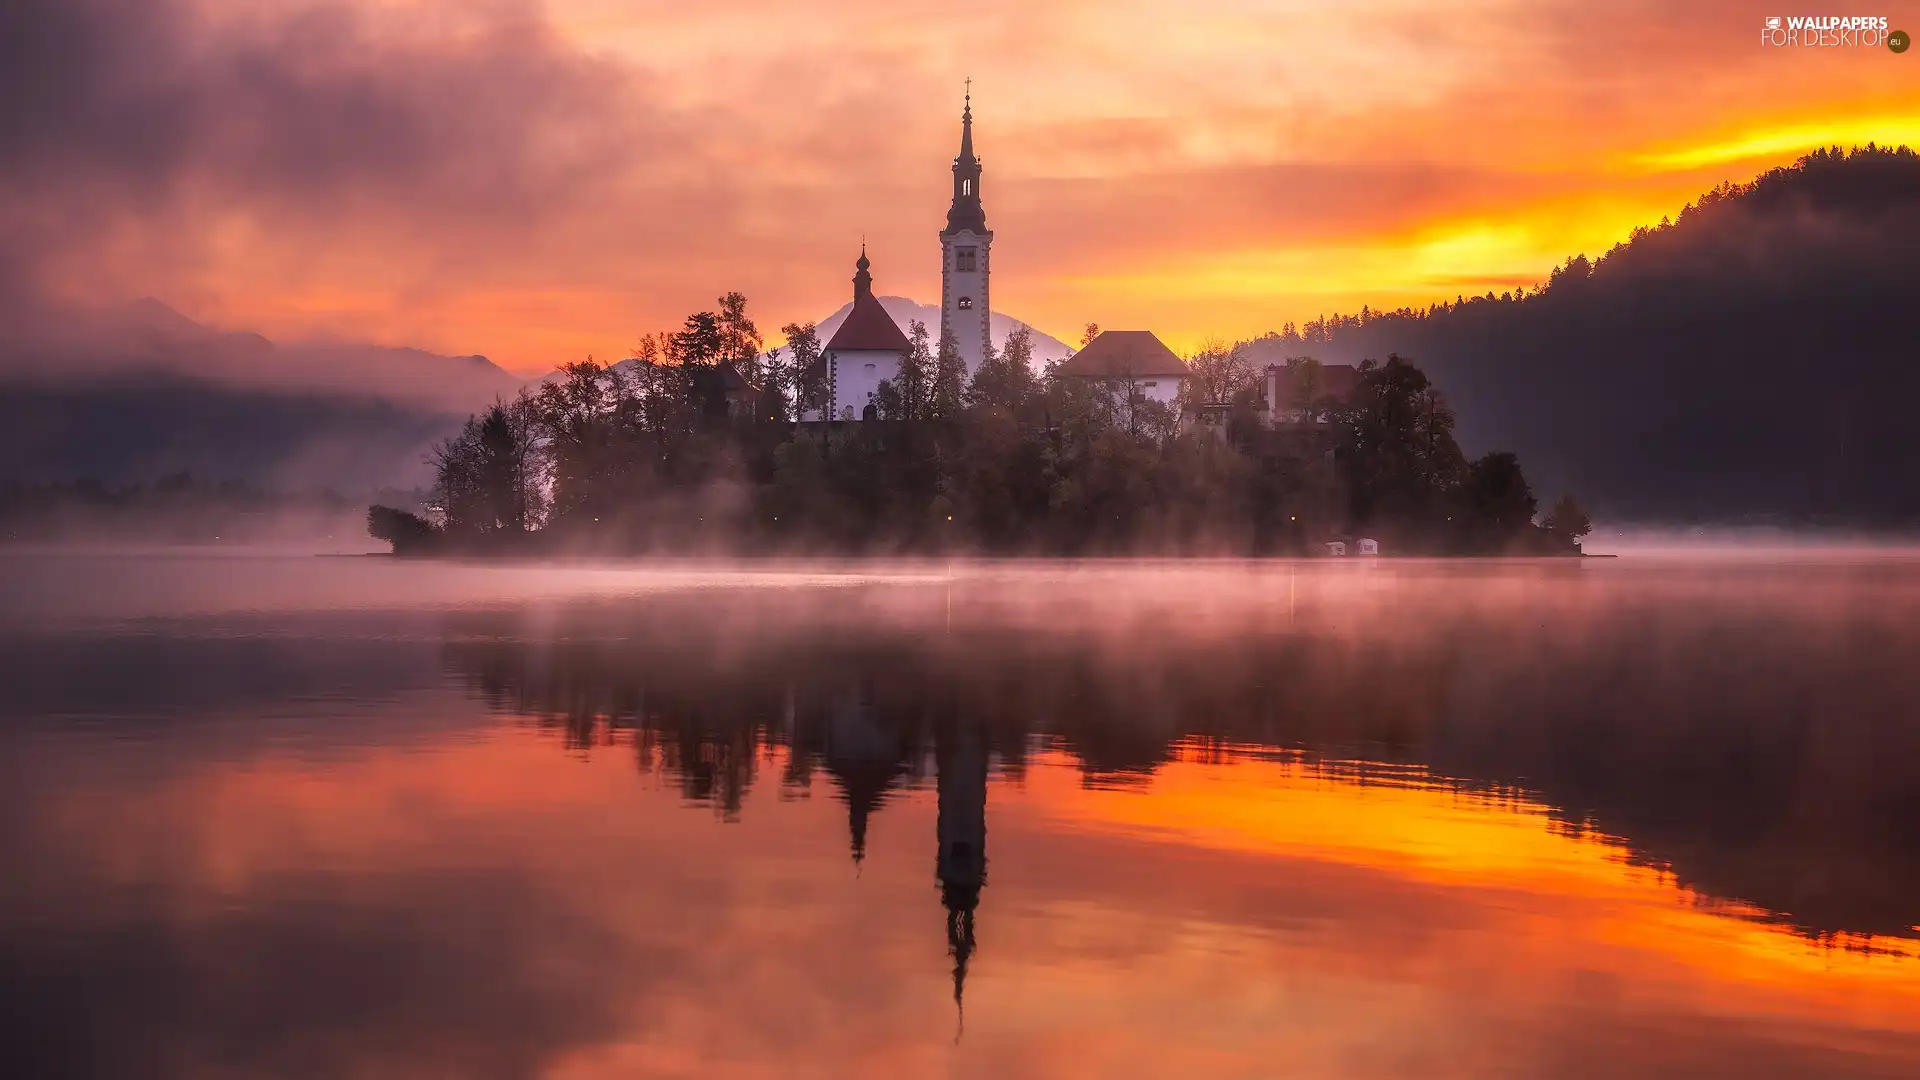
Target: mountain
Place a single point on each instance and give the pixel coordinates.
(1750, 359)
(137, 391)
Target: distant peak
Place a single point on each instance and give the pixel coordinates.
(159, 314)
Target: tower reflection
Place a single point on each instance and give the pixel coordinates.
(1763, 767)
(961, 755)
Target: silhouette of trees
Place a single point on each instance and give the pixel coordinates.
(912, 387)
(1006, 379)
(946, 394)
(1220, 371)
(1501, 502)
(1567, 520)
(487, 483)
(1747, 757)
(1396, 441)
(799, 371)
(407, 532)
(673, 448)
(739, 339)
(1710, 367)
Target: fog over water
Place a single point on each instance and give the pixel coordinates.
(284, 815)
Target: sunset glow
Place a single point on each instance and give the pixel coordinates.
(540, 182)
(1512, 905)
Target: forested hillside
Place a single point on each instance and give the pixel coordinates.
(1752, 358)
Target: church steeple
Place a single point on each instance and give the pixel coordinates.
(966, 212)
(961, 757)
(862, 279)
(966, 125)
(965, 252)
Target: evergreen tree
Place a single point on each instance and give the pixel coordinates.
(1005, 379)
(1568, 520)
(946, 395)
(699, 342)
(1396, 435)
(486, 477)
(739, 340)
(916, 377)
(1499, 495)
(802, 374)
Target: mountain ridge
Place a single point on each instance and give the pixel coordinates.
(1748, 359)
(133, 391)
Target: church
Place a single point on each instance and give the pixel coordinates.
(867, 348)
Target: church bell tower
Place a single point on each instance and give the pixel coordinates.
(964, 244)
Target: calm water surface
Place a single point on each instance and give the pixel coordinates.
(297, 817)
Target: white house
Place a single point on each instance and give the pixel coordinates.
(1134, 362)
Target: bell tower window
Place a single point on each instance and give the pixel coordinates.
(966, 187)
(963, 259)
(966, 303)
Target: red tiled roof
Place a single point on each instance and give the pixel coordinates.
(1125, 354)
(868, 326)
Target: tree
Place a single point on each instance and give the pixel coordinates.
(1221, 371)
(486, 481)
(888, 404)
(804, 374)
(916, 375)
(1005, 379)
(739, 341)
(1092, 331)
(1499, 496)
(406, 532)
(1568, 520)
(698, 341)
(1308, 382)
(1396, 439)
(945, 396)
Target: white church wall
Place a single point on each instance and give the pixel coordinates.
(857, 375)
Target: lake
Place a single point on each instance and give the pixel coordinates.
(278, 815)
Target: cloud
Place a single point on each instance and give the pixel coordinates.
(144, 134)
(538, 181)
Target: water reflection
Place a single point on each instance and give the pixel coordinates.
(1755, 758)
(1508, 822)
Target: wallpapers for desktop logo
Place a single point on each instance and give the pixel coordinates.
(1831, 32)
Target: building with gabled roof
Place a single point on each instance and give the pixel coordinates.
(865, 352)
(1133, 359)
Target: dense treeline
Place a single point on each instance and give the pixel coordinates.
(694, 445)
(1749, 358)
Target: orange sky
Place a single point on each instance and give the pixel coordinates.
(538, 183)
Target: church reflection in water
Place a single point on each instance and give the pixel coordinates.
(869, 758)
(1757, 768)
(1559, 832)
